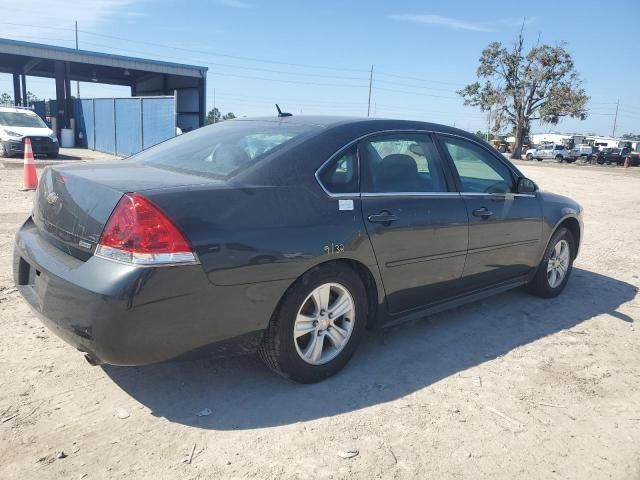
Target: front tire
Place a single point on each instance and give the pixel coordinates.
(559, 158)
(317, 326)
(3, 151)
(529, 156)
(556, 265)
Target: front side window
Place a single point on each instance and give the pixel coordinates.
(478, 170)
(402, 163)
(341, 175)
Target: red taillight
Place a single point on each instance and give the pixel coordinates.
(138, 232)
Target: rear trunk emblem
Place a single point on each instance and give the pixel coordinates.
(52, 198)
(84, 244)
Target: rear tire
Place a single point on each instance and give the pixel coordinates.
(545, 284)
(3, 151)
(301, 310)
(559, 158)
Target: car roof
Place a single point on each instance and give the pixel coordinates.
(16, 110)
(328, 121)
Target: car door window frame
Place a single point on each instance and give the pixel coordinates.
(443, 161)
(440, 136)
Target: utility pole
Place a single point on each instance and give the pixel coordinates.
(370, 84)
(615, 119)
(488, 124)
(77, 82)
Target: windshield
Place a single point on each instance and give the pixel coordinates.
(225, 149)
(21, 119)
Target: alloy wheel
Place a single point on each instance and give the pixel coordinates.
(324, 323)
(558, 264)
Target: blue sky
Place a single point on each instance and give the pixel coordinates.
(313, 57)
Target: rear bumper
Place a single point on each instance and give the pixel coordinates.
(39, 147)
(124, 315)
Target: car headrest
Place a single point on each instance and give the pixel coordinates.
(399, 173)
(398, 166)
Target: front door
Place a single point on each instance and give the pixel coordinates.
(417, 223)
(505, 228)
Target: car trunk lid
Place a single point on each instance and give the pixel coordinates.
(73, 203)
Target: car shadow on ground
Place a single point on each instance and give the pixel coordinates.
(392, 363)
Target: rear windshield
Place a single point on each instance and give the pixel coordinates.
(225, 149)
(20, 119)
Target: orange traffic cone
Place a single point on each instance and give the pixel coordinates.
(30, 176)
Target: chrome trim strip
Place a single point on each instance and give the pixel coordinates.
(410, 194)
(497, 195)
(495, 154)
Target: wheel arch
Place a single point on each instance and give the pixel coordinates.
(373, 286)
(572, 224)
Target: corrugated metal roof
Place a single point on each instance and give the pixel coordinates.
(51, 52)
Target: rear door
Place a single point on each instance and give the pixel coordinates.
(416, 221)
(505, 228)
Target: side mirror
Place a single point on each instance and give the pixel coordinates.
(526, 186)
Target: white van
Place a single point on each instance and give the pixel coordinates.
(16, 124)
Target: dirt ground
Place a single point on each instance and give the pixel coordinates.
(513, 387)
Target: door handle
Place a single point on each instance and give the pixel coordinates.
(483, 212)
(382, 217)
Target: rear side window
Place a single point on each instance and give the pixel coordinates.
(341, 175)
(225, 149)
(402, 163)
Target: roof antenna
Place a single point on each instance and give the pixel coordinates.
(281, 113)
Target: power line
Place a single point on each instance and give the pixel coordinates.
(241, 67)
(279, 80)
(405, 77)
(412, 93)
(239, 57)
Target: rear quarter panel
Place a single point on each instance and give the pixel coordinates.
(248, 235)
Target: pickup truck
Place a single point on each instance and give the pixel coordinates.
(584, 151)
(559, 153)
(613, 155)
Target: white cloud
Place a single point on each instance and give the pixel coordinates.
(16, 22)
(233, 3)
(441, 21)
(456, 24)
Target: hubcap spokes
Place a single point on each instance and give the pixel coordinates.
(558, 263)
(324, 323)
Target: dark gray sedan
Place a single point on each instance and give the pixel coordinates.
(288, 236)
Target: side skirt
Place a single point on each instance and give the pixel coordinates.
(458, 301)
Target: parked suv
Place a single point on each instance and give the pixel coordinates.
(16, 124)
(560, 153)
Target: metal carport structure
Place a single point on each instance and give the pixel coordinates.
(144, 77)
